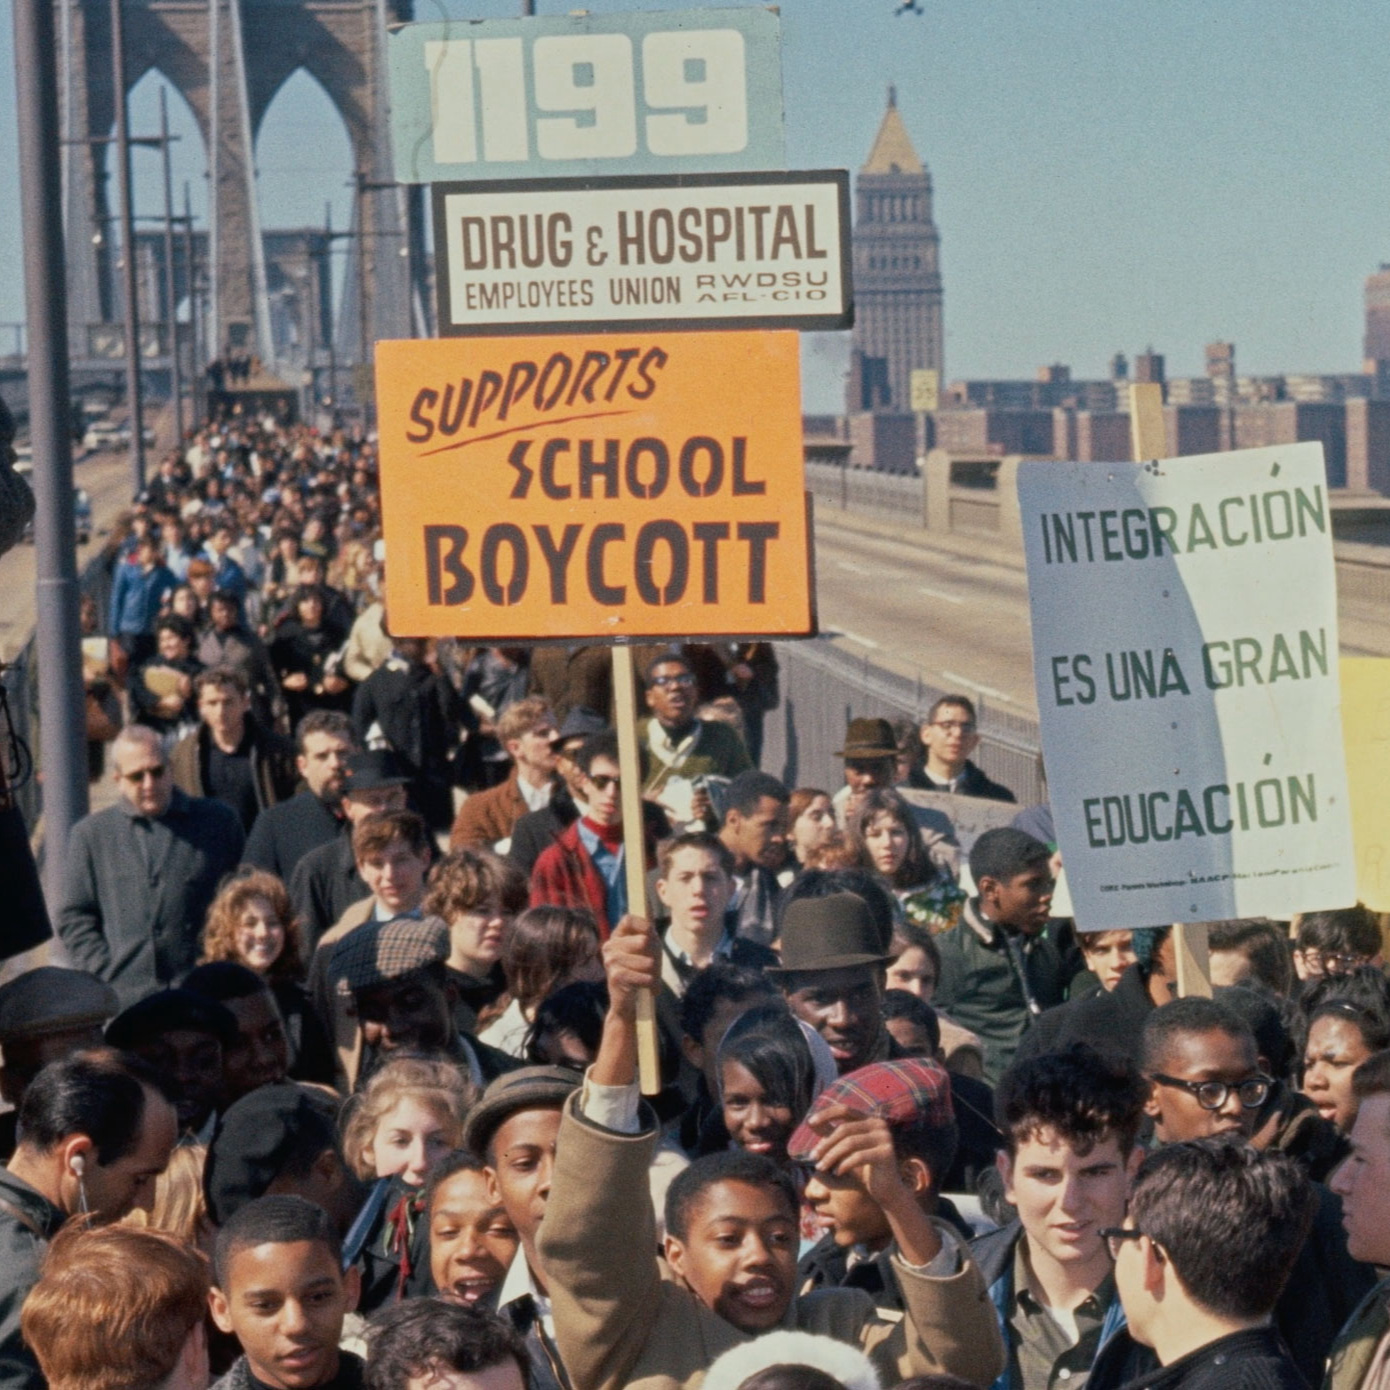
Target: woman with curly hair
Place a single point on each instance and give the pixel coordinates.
(406, 1118)
(884, 836)
(252, 922)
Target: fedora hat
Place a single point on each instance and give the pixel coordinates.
(829, 933)
(869, 738)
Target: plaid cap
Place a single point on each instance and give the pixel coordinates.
(913, 1091)
(378, 952)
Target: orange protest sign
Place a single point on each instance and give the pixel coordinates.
(614, 485)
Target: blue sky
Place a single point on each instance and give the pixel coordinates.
(1108, 175)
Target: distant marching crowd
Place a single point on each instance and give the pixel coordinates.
(337, 1085)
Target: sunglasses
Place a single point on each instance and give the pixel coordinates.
(602, 782)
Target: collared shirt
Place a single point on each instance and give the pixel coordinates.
(1050, 1354)
(519, 1284)
(610, 869)
(677, 967)
(1378, 1371)
(536, 798)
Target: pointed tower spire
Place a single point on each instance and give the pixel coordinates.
(892, 152)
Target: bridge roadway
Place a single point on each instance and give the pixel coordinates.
(960, 621)
(883, 593)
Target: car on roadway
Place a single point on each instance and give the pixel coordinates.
(81, 499)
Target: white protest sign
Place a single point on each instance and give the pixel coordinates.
(962, 819)
(1185, 652)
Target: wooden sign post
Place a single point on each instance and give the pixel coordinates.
(634, 852)
(1149, 440)
(611, 488)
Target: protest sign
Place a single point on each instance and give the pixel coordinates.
(766, 250)
(1185, 653)
(607, 487)
(1366, 730)
(963, 819)
(583, 94)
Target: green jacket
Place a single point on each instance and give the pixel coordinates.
(981, 989)
(1351, 1354)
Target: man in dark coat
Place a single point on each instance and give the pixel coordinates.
(231, 755)
(284, 834)
(412, 707)
(142, 874)
(1213, 1231)
(950, 735)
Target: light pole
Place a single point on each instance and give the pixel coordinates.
(61, 698)
(132, 306)
(170, 291)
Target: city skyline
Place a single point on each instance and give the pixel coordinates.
(1102, 182)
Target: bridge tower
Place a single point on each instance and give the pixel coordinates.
(228, 59)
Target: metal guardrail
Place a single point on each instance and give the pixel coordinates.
(21, 682)
(824, 687)
(896, 496)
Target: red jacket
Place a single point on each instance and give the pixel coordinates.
(565, 876)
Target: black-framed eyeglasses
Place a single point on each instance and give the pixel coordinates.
(603, 781)
(663, 682)
(1115, 1236)
(1213, 1095)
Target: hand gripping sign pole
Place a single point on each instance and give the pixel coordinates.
(1149, 441)
(634, 853)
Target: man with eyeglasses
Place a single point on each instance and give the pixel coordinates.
(1211, 1239)
(1206, 1081)
(679, 749)
(950, 735)
(142, 874)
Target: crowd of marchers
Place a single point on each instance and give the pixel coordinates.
(338, 1083)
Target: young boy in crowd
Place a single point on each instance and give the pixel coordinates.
(514, 1130)
(426, 1344)
(1213, 1231)
(912, 1098)
(999, 967)
(279, 1286)
(1070, 1121)
(731, 1237)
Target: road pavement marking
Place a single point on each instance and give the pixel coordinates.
(939, 593)
(850, 567)
(863, 641)
(958, 679)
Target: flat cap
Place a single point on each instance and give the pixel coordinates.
(912, 1091)
(168, 1011)
(54, 1000)
(378, 952)
(257, 1138)
(528, 1088)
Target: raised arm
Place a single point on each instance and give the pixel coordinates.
(597, 1243)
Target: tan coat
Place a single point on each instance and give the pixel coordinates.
(1355, 1348)
(621, 1326)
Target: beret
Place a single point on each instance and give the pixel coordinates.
(167, 1011)
(52, 999)
(255, 1141)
